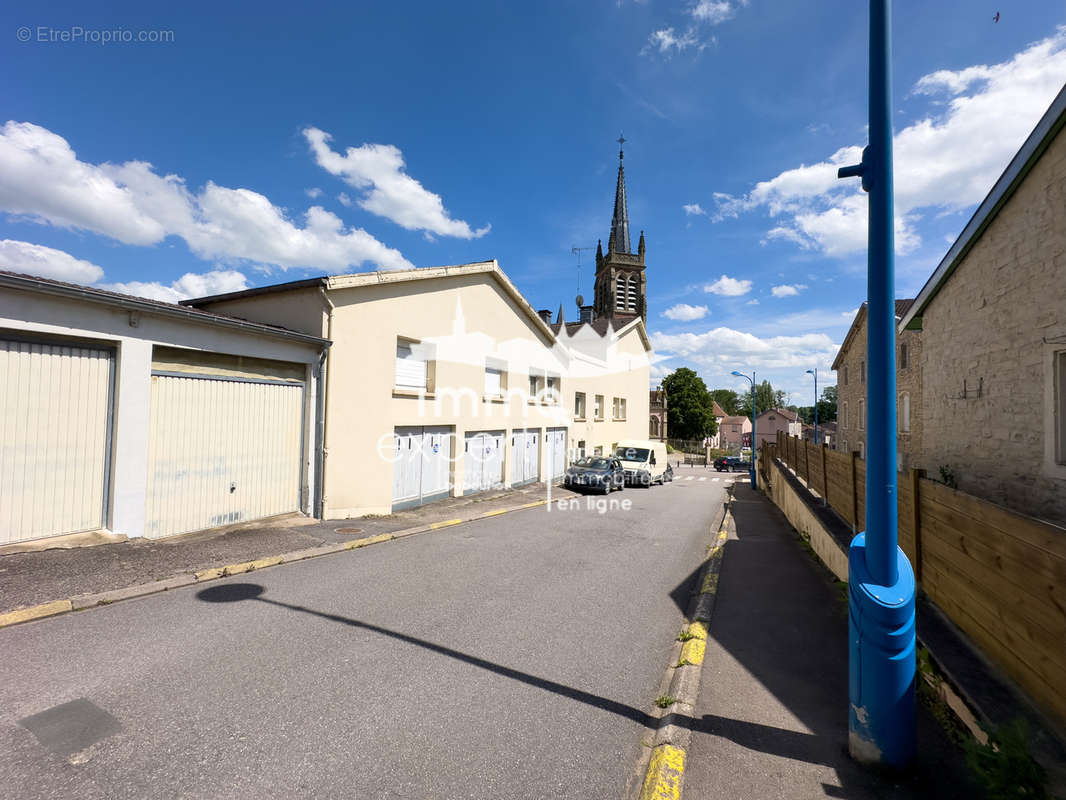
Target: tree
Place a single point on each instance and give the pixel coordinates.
(727, 399)
(765, 399)
(690, 413)
(827, 405)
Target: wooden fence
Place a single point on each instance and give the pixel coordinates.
(999, 575)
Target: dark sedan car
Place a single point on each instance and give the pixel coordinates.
(598, 473)
(731, 464)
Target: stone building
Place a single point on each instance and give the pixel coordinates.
(850, 366)
(731, 432)
(657, 407)
(621, 284)
(993, 327)
(768, 423)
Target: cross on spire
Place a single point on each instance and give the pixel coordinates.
(621, 141)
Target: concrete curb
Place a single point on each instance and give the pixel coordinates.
(82, 602)
(665, 775)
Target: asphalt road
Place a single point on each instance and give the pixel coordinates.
(514, 657)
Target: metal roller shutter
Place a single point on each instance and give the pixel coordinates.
(55, 421)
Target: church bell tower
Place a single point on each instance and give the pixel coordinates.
(621, 285)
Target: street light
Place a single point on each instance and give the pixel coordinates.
(751, 470)
(814, 372)
(881, 587)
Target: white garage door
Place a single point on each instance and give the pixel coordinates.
(525, 456)
(555, 442)
(55, 423)
(222, 451)
(421, 471)
(482, 461)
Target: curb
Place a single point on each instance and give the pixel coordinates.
(82, 602)
(665, 773)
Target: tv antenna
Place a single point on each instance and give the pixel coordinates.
(576, 251)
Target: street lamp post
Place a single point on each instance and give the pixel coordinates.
(814, 372)
(881, 587)
(751, 469)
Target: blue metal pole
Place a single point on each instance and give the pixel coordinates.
(816, 406)
(754, 439)
(881, 581)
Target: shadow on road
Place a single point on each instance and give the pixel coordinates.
(237, 592)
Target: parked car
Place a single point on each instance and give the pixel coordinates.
(645, 462)
(731, 464)
(598, 473)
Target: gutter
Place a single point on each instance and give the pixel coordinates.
(323, 392)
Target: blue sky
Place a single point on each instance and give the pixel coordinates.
(219, 157)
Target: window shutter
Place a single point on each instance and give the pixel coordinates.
(410, 369)
(492, 382)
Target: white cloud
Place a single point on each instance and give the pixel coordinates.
(725, 348)
(666, 42)
(42, 179)
(188, 285)
(729, 287)
(693, 209)
(714, 12)
(47, 262)
(683, 312)
(752, 302)
(377, 170)
(945, 162)
(787, 290)
(345, 200)
(314, 193)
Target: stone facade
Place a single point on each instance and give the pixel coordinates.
(657, 412)
(991, 334)
(850, 366)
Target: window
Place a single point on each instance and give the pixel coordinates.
(493, 382)
(903, 356)
(862, 450)
(620, 293)
(1060, 406)
(862, 372)
(905, 413)
(655, 427)
(619, 408)
(412, 371)
(579, 405)
(862, 415)
(844, 418)
(597, 451)
(536, 385)
(551, 391)
(581, 448)
(597, 408)
(631, 295)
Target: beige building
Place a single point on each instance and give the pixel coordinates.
(444, 381)
(993, 327)
(850, 366)
(732, 432)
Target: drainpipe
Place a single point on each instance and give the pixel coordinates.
(323, 392)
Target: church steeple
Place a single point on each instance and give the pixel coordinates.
(619, 241)
(621, 285)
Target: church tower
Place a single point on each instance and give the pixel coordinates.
(621, 286)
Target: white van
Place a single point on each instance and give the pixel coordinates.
(644, 462)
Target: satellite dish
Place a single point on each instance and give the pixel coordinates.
(580, 301)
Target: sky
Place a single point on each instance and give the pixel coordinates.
(195, 149)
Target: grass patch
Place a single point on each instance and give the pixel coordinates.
(665, 701)
(684, 636)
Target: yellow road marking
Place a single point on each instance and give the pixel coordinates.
(665, 772)
(35, 612)
(210, 574)
(496, 512)
(445, 523)
(381, 537)
(698, 629)
(692, 651)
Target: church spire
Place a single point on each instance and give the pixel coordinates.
(619, 241)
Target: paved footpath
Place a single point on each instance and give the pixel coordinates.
(518, 656)
(771, 721)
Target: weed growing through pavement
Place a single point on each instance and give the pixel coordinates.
(683, 662)
(665, 701)
(684, 636)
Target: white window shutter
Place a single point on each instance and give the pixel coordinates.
(410, 369)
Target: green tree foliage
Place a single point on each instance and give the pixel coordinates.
(727, 399)
(827, 405)
(765, 398)
(689, 409)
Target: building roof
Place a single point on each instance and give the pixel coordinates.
(1019, 167)
(902, 306)
(362, 279)
(717, 409)
(34, 283)
(784, 412)
(735, 420)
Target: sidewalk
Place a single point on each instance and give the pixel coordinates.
(771, 719)
(33, 578)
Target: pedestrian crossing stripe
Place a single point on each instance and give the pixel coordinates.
(703, 479)
(690, 478)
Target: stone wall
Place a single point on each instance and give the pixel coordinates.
(995, 325)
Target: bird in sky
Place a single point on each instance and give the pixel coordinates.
(996, 18)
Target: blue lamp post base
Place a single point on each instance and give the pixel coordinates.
(882, 662)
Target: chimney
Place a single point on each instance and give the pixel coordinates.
(546, 315)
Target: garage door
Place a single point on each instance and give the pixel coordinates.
(482, 461)
(555, 443)
(421, 471)
(55, 423)
(525, 457)
(222, 451)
